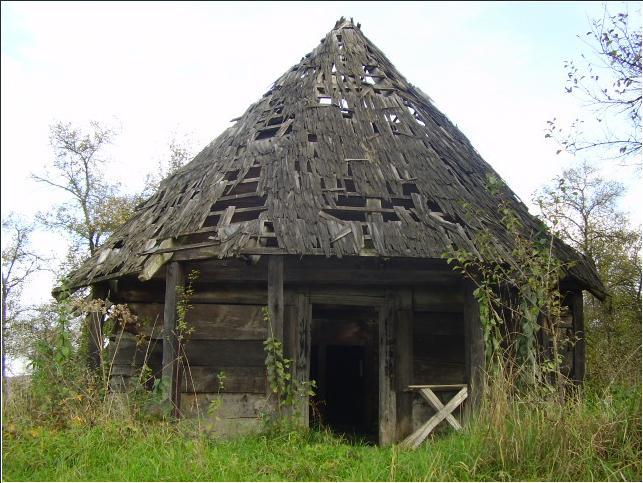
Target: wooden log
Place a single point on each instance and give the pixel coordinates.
(171, 350)
(387, 393)
(404, 351)
(227, 406)
(474, 356)
(205, 379)
(579, 332)
(207, 321)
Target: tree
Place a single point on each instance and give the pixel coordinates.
(179, 153)
(19, 264)
(609, 84)
(582, 209)
(95, 206)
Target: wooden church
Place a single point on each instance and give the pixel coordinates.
(331, 201)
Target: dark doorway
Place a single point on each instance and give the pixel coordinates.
(345, 395)
(344, 365)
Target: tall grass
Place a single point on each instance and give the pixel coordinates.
(592, 436)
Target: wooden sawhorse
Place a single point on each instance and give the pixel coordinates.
(442, 411)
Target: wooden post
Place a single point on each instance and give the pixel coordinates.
(95, 329)
(302, 323)
(576, 306)
(276, 296)
(388, 413)
(171, 375)
(474, 356)
(404, 352)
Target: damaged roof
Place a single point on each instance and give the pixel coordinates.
(341, 157)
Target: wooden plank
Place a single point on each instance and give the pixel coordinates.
(404, 351)
(229, 405)
(579, 332)
(474, 346)
(435, 402)
(207, 321)
(205, 379)
(387, 393)
(437, 386)
(171, 348)
(420, 435)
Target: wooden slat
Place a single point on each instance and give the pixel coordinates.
(404, 352)
(205, 379)
(420, 435)
(435, 402)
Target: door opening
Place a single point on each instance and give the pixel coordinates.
(344, 365)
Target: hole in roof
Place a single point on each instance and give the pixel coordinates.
(392, 118)
(246, 215)
(433, 206)
(369, 80)
(325, 101)
(269, 227)
(349, 184)
(408, 188)
(344, 200)
(321, 90)
(347, 215)
(118, 244)
(333, 69)
(343, 103)
(275, 121)
(375, 128)
(288, 130)
(253, 172)
(312, 138)
(390, 217)
(266, 133)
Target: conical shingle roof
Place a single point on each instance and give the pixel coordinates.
(342, 156)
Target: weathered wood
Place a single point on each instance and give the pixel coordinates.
(207, 321)
(276, 296)
(414, 440)
(579, 332)
(94, 321)
(171, 347)
(205, 379)
(387, 399)
(474, 346)
(228, 405)
(303, 323)
(428, 394)
(404, 364)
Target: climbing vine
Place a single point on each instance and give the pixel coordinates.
(518, 295)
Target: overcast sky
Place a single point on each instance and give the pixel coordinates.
(159, 69)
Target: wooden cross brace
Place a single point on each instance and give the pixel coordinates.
(442, 412)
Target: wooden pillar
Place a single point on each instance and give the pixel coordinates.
(171, 375)
(301, 349)
(276, 296)
(387, 399)
(95, 329)
(474, 356)
(576, 305)
(404, 364)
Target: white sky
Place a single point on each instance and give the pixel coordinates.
(154, 69)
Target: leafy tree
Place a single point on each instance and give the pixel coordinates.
(95, 207)
(609, 84)
(19, 264)
(179, 153)
(582, 208)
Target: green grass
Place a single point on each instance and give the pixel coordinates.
(596, 439)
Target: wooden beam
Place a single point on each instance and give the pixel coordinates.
(302, 343)
(171, 374)
(276, 296)
(576, 306)
(95, 328)
(387, 393)
(404, 351)
(474, 356)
